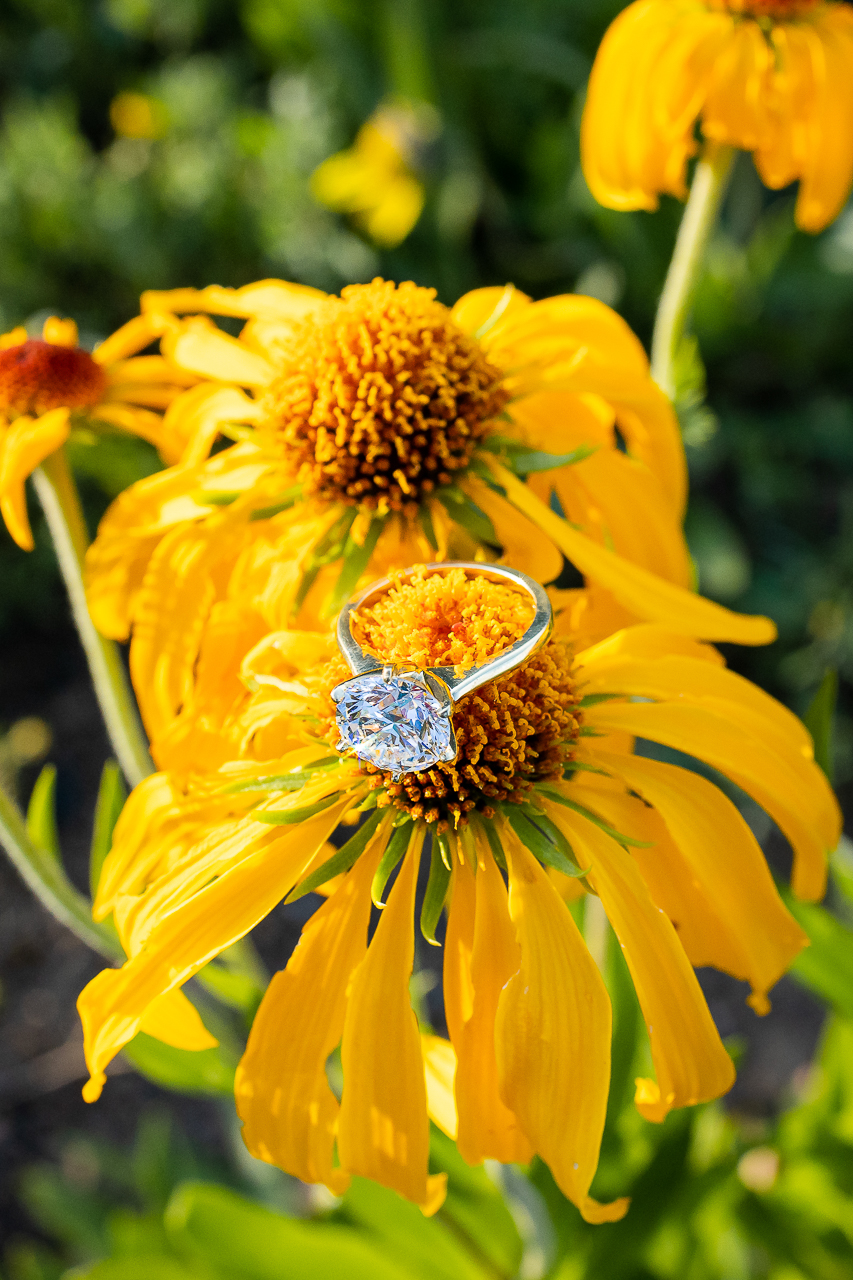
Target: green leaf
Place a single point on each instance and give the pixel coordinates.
(112, 794)
(594, 699)
(218, 497)
(819, 720)
(436, 893)
(397, 846)
(539, 844)
(494, 839)
(287, 817)
(356, 560)
(826, 967)
(41, 813)
(236, 977)
(476, 1208)
(430, 1250)
(466, 513)
(205, 1071)
(346, 857)
(240, 1239)
(138, 1267)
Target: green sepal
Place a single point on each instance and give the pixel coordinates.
(428, 527)
(288, 499)
(328, 548)
(289, 816)
(540, 845)
(435, 896)
(523, 461)
(219, 497)
(581, 766)
(594, 819)
(293, 781)
(41, 814)
(339, 862)
(442, 839)
(112, 794)
(819, 717)
(356, 560)
(493, 837)
(594, 699)
(466, 513)
(397, 846)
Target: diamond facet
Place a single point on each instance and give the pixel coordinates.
(396, 722)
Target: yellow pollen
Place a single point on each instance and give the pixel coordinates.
(512, 732)
(383, 397)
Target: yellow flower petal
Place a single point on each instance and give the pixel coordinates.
(174, 1020)
(273, 299)
(193, 420)
(288, 1110)
(524, 546)
(198, 346)
(792, 790)
(133, 337)
(729, 908)
(552, 1035)
(23, 447)
(646, 595)
(383, 1127)
(487, 1128)
(114, 1003)
(690, 1062)
(440, 1069)
(62, 333)
(458, 946)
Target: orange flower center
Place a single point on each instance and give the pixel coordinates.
(511, 732)
(37, 376)
(383, 397)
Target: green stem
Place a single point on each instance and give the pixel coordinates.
(58, 496)
(48, 881)
(700, 215)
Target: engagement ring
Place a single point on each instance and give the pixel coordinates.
(402, 720)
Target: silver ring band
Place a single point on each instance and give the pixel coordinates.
(401, 719)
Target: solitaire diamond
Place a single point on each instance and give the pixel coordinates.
(395, 722)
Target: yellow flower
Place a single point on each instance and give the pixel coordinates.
(374, 180)
(774, 77)
(546, 791)
(46, 383)
(381, 429)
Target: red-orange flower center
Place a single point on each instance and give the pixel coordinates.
(37, 376)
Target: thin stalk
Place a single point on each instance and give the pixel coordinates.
(700, 215)
(58, 496)
(49, 883)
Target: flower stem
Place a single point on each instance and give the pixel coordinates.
(58, 496)
(43, 874)
(700, 215)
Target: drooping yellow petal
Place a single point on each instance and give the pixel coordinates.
(458, 946)
(440, 1068)
(689, 1059)
(487, 1128)
(113, 1004)
(174, 1020)
(193, 421)
(383, 1129)
(524, 546)
(23, 447)
(288, 1110)
(197, 345)
(552, 1035)
(61, 333)
(133, 337)
(737, 921)
(276, 299)
(793, 790)
(647, 596)
(480, 310)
